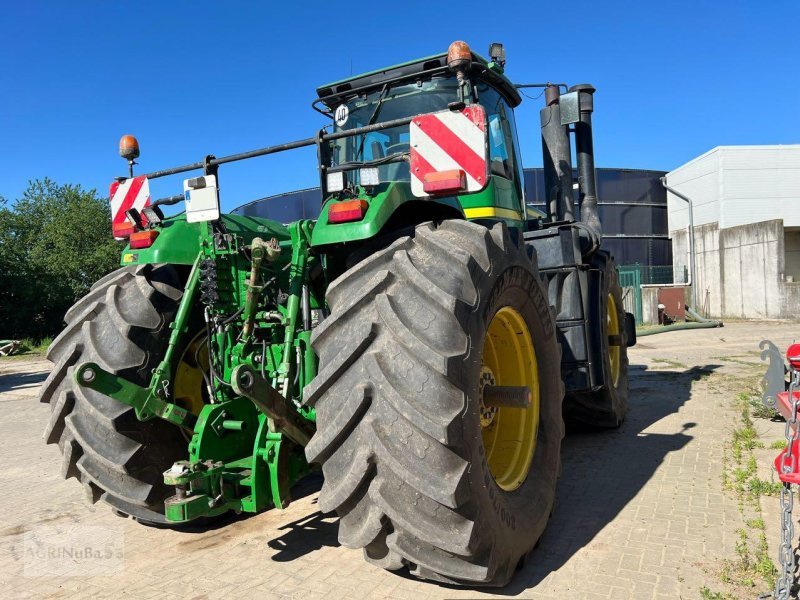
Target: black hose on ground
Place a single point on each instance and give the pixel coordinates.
(691, 315)
(693, 321)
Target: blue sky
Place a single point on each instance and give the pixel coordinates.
(191, 78)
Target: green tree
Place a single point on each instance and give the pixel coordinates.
(55, 242)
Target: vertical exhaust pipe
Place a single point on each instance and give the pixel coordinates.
(587, 177)
(557, 156)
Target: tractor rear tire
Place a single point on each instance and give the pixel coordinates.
(607, 406)
(399, 404)
(122, 324)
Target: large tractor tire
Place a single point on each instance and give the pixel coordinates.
(122, 324)
(607, 406)
(421, 473)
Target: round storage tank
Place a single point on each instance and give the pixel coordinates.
(632, 203)
(633, 210)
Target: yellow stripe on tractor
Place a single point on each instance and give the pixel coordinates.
(488, 212)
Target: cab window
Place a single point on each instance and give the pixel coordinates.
(378, 105)
(503, 144)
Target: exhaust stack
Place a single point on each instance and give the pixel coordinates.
(557, 156)
(587, 177)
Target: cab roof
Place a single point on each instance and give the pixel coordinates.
(492, 73)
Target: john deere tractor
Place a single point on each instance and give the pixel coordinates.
(422, 340)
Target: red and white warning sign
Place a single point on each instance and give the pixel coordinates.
(125, 195)
(448, 147)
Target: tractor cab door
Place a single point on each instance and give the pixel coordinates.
(505, 165)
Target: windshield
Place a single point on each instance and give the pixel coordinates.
(387, 104)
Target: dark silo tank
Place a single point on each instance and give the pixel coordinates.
(632, 206)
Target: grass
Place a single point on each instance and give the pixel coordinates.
(759, 487)
(670, 363)
(707, 594)
(737, 358)
(756, 524)
(752, 564)
(757, 408)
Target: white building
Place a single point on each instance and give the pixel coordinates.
(746, 213)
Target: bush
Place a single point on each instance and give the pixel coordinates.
(55, 242)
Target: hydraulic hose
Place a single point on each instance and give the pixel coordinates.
(693, 316)
(678, 327)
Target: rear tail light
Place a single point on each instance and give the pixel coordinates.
(442, 182)
(142, 239)
(347, 211)
(122, 230)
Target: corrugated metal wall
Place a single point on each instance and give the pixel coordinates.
(698, 179)
(738, 185)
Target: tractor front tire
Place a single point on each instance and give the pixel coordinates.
(122, 324)
(607, 406)
(412, 465)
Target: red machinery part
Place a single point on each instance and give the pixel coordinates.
(793, 476)
(793, 356)
(784, 405)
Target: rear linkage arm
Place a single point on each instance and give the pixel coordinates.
(151, 401)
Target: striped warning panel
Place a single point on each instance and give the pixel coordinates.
(125, 195)
(449, 141)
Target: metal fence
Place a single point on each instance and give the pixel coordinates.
(633, 277)
(655, 275)
(630, 280)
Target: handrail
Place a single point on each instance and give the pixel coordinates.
(213, 162)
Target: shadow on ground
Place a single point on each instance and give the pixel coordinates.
(604, 470)
(305, 535)
(15, 381)
(308, 533)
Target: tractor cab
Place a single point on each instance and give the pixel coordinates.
(440, 136)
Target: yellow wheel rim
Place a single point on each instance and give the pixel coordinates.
(613, 339)
(509, 434)
(189, 385)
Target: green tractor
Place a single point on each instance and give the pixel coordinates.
(423, 340)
